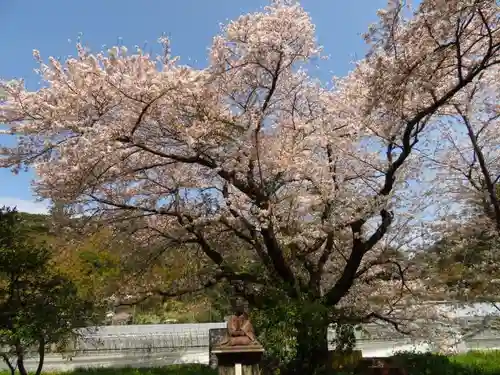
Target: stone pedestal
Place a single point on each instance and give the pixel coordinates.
(238, 360)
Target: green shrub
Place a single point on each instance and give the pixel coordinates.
(424, 364)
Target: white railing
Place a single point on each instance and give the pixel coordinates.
(164, 344)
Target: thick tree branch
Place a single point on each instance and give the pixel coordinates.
(488, 180)
(210, 283)
(409, 140)
(394, 323)
(276, 254)
(9, 364)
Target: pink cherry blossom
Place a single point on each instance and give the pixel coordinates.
(312, 180)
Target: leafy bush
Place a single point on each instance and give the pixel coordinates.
(424, 364)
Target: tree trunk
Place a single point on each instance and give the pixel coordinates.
(41, 355)
(7, 362)
(311, 351)
(20, 358)
(20, 364)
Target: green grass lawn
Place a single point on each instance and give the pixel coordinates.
(481, 362)
(472, 363)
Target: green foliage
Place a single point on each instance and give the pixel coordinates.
(276, 327)
(188, 309)
(89, 261)
(341, 361)
(345, 338)
(464, 263)
(294, 332)
(38, 305)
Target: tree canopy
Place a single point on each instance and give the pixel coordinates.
(39, 306)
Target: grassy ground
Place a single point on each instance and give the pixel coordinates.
(170, 370)
(473, 363)
(479, 360)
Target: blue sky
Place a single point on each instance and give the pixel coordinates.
(53, 27)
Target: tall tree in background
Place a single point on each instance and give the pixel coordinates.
(469, 149)
(468, 171)
(252, 150)
(38, 306)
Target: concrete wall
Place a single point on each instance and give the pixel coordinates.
(124, 358)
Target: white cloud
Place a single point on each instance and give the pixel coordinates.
(25, 205)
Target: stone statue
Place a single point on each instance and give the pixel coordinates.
(238, 352)
(239, 330)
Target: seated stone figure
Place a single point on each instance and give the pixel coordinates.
(240, 331)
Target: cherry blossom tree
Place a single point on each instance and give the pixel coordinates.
(469, 151)
(251, 149)
(467, 164)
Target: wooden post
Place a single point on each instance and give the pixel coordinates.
(239, 360)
